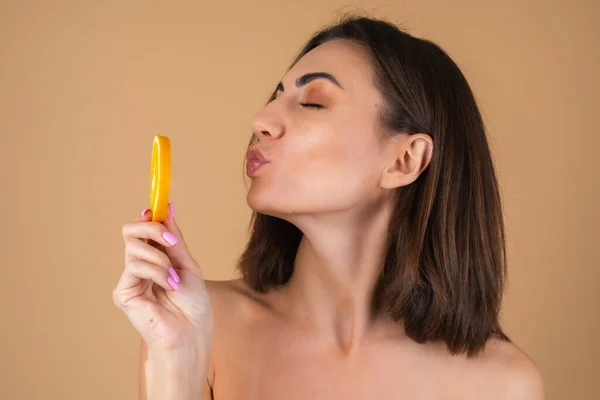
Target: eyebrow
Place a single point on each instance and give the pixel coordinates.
(311, 76)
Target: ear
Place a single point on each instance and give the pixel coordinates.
(411, 155)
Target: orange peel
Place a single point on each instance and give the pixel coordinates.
(160, 176)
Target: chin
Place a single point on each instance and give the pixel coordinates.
(270, 204)
(293, 203)
(260, 202)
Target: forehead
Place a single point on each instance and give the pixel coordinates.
(347, 61)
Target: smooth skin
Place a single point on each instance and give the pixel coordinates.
(332, 174)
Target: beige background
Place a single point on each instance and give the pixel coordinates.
(84, 86)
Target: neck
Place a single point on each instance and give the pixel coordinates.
(335, 271)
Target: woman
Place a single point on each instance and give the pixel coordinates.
(376, 264)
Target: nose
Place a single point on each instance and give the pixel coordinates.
(267, 125)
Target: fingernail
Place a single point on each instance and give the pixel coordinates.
(170, 238)
(172, 283)
(144, 212)
(172, 210)
(171, 271)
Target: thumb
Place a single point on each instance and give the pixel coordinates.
(179, 253)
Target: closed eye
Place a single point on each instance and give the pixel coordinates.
(311, 105)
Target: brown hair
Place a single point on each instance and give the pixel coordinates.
(445, 269)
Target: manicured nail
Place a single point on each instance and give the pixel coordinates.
(144, 212)
(172, 210)
(170, 238)
(171, 271)
(172, 283)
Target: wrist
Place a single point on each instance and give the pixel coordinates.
(173, 355)
(175, 373)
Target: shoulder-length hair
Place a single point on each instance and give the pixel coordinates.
(444, 273)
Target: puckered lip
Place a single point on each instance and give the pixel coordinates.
(254, 153)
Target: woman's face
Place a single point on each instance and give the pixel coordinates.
(327, 159)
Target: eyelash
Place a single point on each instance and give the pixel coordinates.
(311, 105)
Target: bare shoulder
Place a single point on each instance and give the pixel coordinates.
(223, 292)
(235, 290)
(234, 303)
(513, 373)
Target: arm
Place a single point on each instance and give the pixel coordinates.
(175, 376)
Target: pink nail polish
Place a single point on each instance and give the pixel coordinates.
(170, 238)
(172, 283)
(173, 274)
(144, 212)
(172, 210)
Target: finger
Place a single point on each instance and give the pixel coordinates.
(179, 253)
(138, 270)
(138, 249)
(145, 215)
(149, 230)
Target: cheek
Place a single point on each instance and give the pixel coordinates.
(319, 169)
(338, 166)
(347, 152)
(319, 152)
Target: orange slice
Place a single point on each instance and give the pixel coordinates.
(160, 172)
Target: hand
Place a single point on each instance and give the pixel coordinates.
(161, 289)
